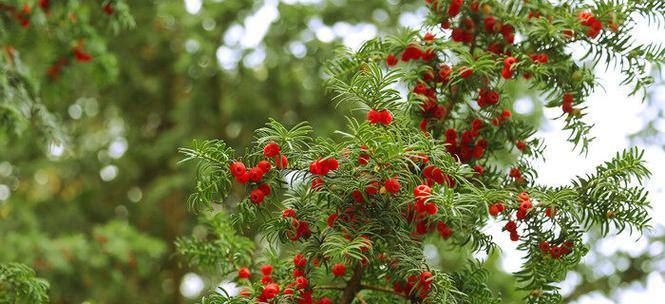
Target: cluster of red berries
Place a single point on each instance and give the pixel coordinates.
(79, 56)
(271, 289)
(540, 58)
(512, 228)
(379, 117)
(516, 173)
(525, 205)
(321, 167)
(430, 109)
(256, 174)
(505, 115)
(593, 25)
(496, 208)
(487, 98)
(338, 270)
(299, 228)
(467, 148)
(556, 251)
(422, 284)
(433, 174)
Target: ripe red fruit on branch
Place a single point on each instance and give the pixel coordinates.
(288, 213)
(392, 185)
(281, 162)
(465, 72)
(299, 260)
(391, 60)
(256, 196)
(422, 192)
(302, 282)
(108, 9)
(544, 246)
(266, 269)
(454, 8)
(325, 300)
(237, 169)
(270, 291)
(265, 188)
(520, 145)
(243, 273)
(255, 174)
(80, 55)
(271, 150)
(338, 270)
(265, 166)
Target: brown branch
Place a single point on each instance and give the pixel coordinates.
(352, 286)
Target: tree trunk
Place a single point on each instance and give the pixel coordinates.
(352, 286)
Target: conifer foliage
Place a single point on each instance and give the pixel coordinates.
(345, 218)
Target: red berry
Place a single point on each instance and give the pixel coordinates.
(520, 145)
(266, 269)
(425, 277)
(237, 169)
(108, 9)
(302, 282)
(372, 188)
(265, 188)
(271, 150)
(332, 164)
(243, 178)
(281, 162)
(392, 185)
(243, 273)
(265, 166)
(289, 213)
(422, 192)
(256, 196)
(432, 208)
(317, 183)
(324, 300)
(331, 219)
(299, 260)
(363, 159)
(338, 270)
(479, 169)
(270, 291)
(391, 60)
(494, 210)
(385, 118)
(514, 236)
(544, 246)
(255, 174)
(357, 196)
(511, 226)
(465, 72)
(550, 212)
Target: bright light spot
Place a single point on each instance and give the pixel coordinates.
(191, 46)
(56, 149)
(298, 49)
(135, 194)
(41, 177)
(257, 25)
(325, 34)
(231, 288)
(5, 192)
(117, 148)
(523, 106)
(108, 173)
(228, 58)
(233, 129)
(5, 168)
(191, 285)
(413, 20)
(233, 35)
(431, 253)
(75, 111)
(255, 58)
(193, 6)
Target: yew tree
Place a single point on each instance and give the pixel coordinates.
(436, 154)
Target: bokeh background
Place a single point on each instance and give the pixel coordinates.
(97, 214)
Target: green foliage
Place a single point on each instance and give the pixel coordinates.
(376, 233)
(19, 284)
